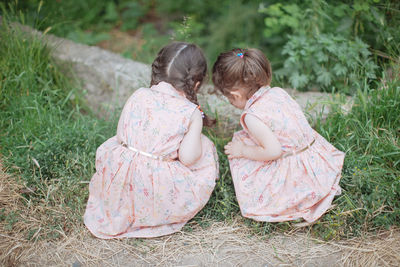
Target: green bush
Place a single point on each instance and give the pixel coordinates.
(373, 21)
(327, 62)
(329, 45)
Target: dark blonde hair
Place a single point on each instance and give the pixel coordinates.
(245, 68)
(182, 65)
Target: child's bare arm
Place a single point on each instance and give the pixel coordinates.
(269, 148)
(190, 149)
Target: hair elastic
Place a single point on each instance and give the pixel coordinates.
(201, 111)
(240, 55)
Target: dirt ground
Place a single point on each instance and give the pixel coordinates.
(218, 245)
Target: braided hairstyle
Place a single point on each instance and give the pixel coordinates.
(245, 68)
(182, 65)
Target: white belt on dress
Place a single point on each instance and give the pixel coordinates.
(299, 151)
(137, 151)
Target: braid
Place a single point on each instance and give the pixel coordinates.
(189, 84)
(191, 95)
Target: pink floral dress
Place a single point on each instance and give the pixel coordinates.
(133, 195)
(298, 186)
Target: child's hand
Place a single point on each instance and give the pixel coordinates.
(234, 149)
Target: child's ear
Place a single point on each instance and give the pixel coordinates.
(235, 94)
(196, 87)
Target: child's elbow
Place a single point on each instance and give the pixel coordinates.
(275, 153)
(188, 160)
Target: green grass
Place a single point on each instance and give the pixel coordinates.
(223, 204)
(370, 136)
(44, 137)
(47, 141)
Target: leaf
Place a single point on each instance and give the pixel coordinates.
(321, 57)
(361, 6)
(339, 69)
(290, 21)
(274, 10)
(271, 22)
(344, 25)
(293, 10)
(324, 77)
(298, 80)
(339, 11)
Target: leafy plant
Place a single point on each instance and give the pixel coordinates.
(309, 30)
(328, 62)
(280, 16)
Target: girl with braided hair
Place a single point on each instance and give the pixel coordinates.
(159, 170)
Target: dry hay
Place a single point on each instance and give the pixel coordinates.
(382, 249)
(24, 222)
(220, 244)
(12, 244)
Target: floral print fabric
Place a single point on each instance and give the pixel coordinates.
(132, 195)
(298, 186)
